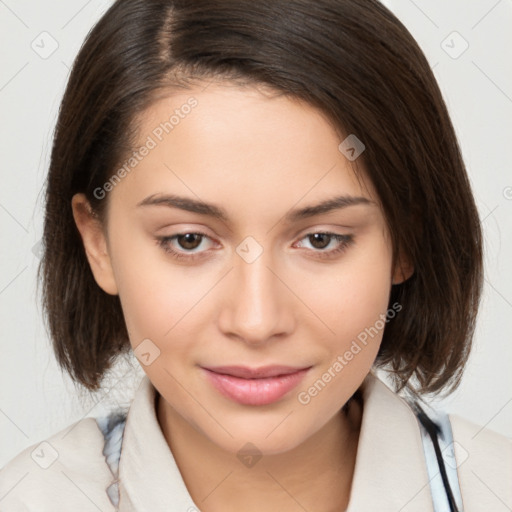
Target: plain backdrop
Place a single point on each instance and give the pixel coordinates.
(468, 44)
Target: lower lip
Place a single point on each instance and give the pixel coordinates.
(255, 391)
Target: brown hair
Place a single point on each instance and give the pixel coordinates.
(353, 60)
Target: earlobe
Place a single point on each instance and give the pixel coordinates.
(404, 269)
(95, 243)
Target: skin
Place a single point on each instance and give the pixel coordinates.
(241, 148)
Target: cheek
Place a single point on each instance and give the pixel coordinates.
(154, 294)
(156, 308)
(351, 305)
(350, 296)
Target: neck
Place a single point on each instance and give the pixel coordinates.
(316, 475)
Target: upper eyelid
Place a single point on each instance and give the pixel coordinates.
(298, 237)
(300, 232)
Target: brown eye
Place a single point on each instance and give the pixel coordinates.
(189, 240)
(184, 246)
(320, 240)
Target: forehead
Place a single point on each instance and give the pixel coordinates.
(241, 147)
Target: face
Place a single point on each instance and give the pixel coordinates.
(264, 284)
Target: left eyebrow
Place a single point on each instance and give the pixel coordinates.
(335, 203)
(210, 209)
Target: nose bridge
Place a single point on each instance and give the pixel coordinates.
(258, 303)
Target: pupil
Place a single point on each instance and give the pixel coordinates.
(318, 237)
(189, 240)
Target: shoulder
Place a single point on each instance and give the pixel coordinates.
(484, 465)
(66, 471)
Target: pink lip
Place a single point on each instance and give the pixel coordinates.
(255, 386)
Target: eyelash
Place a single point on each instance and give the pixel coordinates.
(164, 242)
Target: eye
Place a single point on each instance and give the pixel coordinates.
(186, 243)
(321, 240)
(183, 246)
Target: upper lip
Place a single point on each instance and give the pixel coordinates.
(262, 372)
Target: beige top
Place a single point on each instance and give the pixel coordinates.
(68, 472)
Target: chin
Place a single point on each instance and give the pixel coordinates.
(270, 437)
(247, 443)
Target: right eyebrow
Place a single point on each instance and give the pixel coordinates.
(186, 203)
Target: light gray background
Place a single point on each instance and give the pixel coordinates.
(37, 400)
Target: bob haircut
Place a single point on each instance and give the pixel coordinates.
(351, 59)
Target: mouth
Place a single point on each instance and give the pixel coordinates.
(255, 386)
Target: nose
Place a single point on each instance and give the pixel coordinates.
(258, 305)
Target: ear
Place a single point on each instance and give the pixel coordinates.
(403, 270)
(95, 243)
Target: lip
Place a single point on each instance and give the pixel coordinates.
(255, 386)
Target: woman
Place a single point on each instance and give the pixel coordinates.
(253, 198)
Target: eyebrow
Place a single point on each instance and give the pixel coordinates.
(196, 206)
